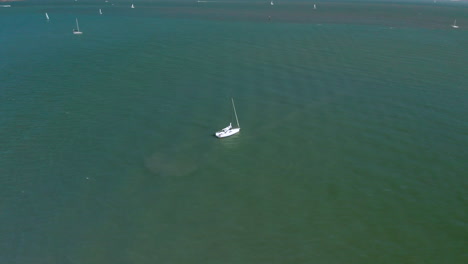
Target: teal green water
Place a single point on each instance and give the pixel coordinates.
(353, 149)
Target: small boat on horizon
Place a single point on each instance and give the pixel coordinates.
(455, 24)
(47, 16)
(100, 11)
(132, 6)
(77, 30)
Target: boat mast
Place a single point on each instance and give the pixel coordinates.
(235, 112)
(77, 27)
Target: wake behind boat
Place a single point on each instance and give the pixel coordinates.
(229, 130)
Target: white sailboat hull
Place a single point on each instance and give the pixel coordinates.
(229, 130)
(77, 30)
(227, 133)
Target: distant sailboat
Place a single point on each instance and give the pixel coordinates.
(77, 30)
(455, 24)
(271, 3)
(229, 130)
(47, 16)
(315, 7)
(132, 6)
(100, 11)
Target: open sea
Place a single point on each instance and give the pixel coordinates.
(353, 148)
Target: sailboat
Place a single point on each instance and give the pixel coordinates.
(132, 6)
(455, 24)
(271, 3)
(229, 130)
(77, 30)
(47, 16)
(315, 7)
(100, 11)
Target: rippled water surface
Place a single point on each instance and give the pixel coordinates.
(353, 147)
